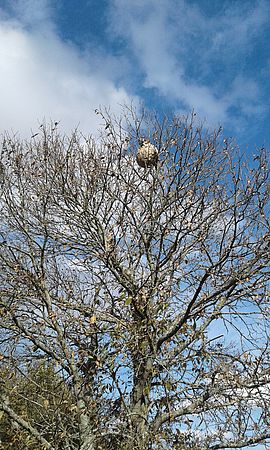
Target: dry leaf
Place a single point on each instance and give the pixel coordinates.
(93, 319)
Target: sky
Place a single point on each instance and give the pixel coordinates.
(62, 59)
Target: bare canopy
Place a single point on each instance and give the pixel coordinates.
(142, 292)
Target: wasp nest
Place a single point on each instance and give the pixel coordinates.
(147, 155)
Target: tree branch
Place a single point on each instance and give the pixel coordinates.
(25, 425)
(241, 442)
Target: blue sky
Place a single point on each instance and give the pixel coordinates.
(62, 59)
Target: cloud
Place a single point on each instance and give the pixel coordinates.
(185, 54)
(239, 26)
(33, 13)
(191, 58)
(43, 77)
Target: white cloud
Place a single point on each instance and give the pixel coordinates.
(34, 13)
(42, 77)
(240, 24)
(179, 50)
(173, 44)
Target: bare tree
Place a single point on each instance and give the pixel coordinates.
(146, 286)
